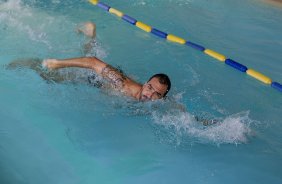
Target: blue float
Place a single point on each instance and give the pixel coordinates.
(129, 19)
(277, 86)
(103, 6)
(195, 46)
(158, 33)
(236, 65)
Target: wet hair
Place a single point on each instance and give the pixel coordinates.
(163, 79)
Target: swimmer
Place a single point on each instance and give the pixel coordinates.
(155, 88)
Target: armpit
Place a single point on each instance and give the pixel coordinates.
(114, 76)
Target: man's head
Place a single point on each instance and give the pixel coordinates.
(155, 88)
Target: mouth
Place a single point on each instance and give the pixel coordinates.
(144, 98)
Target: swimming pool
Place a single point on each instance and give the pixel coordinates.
(74, 133)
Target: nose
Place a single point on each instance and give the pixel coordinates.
(147, 96)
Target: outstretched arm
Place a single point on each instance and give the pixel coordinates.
(112, 74)
(86, 62)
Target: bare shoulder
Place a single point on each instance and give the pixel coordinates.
(119, 81)
(114, 76)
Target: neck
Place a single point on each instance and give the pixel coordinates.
(137, 93)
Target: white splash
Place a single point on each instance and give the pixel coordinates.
(234, 129)
(22, 19)
(50, 29)
(11, 5)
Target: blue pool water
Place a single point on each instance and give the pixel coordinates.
(74, 133)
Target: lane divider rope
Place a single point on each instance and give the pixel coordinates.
(173, 38)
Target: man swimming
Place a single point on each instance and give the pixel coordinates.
(155, 88)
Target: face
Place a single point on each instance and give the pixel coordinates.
(153, 90)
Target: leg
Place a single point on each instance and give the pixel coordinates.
(35, 64)
(32, 63)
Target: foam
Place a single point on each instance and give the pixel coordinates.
(234, 129)
(11, 5)
(179, 126)
(22, 19)
(45, 30)
(96, 49)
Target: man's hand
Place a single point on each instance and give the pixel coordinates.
(50, 63)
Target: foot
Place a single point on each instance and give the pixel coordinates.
(50, 63)
(88, 29)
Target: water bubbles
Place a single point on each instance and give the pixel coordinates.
(11, 5)
(178, 126)
(233, 129)
(21, 19)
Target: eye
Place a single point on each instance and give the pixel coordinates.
(157, 95)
